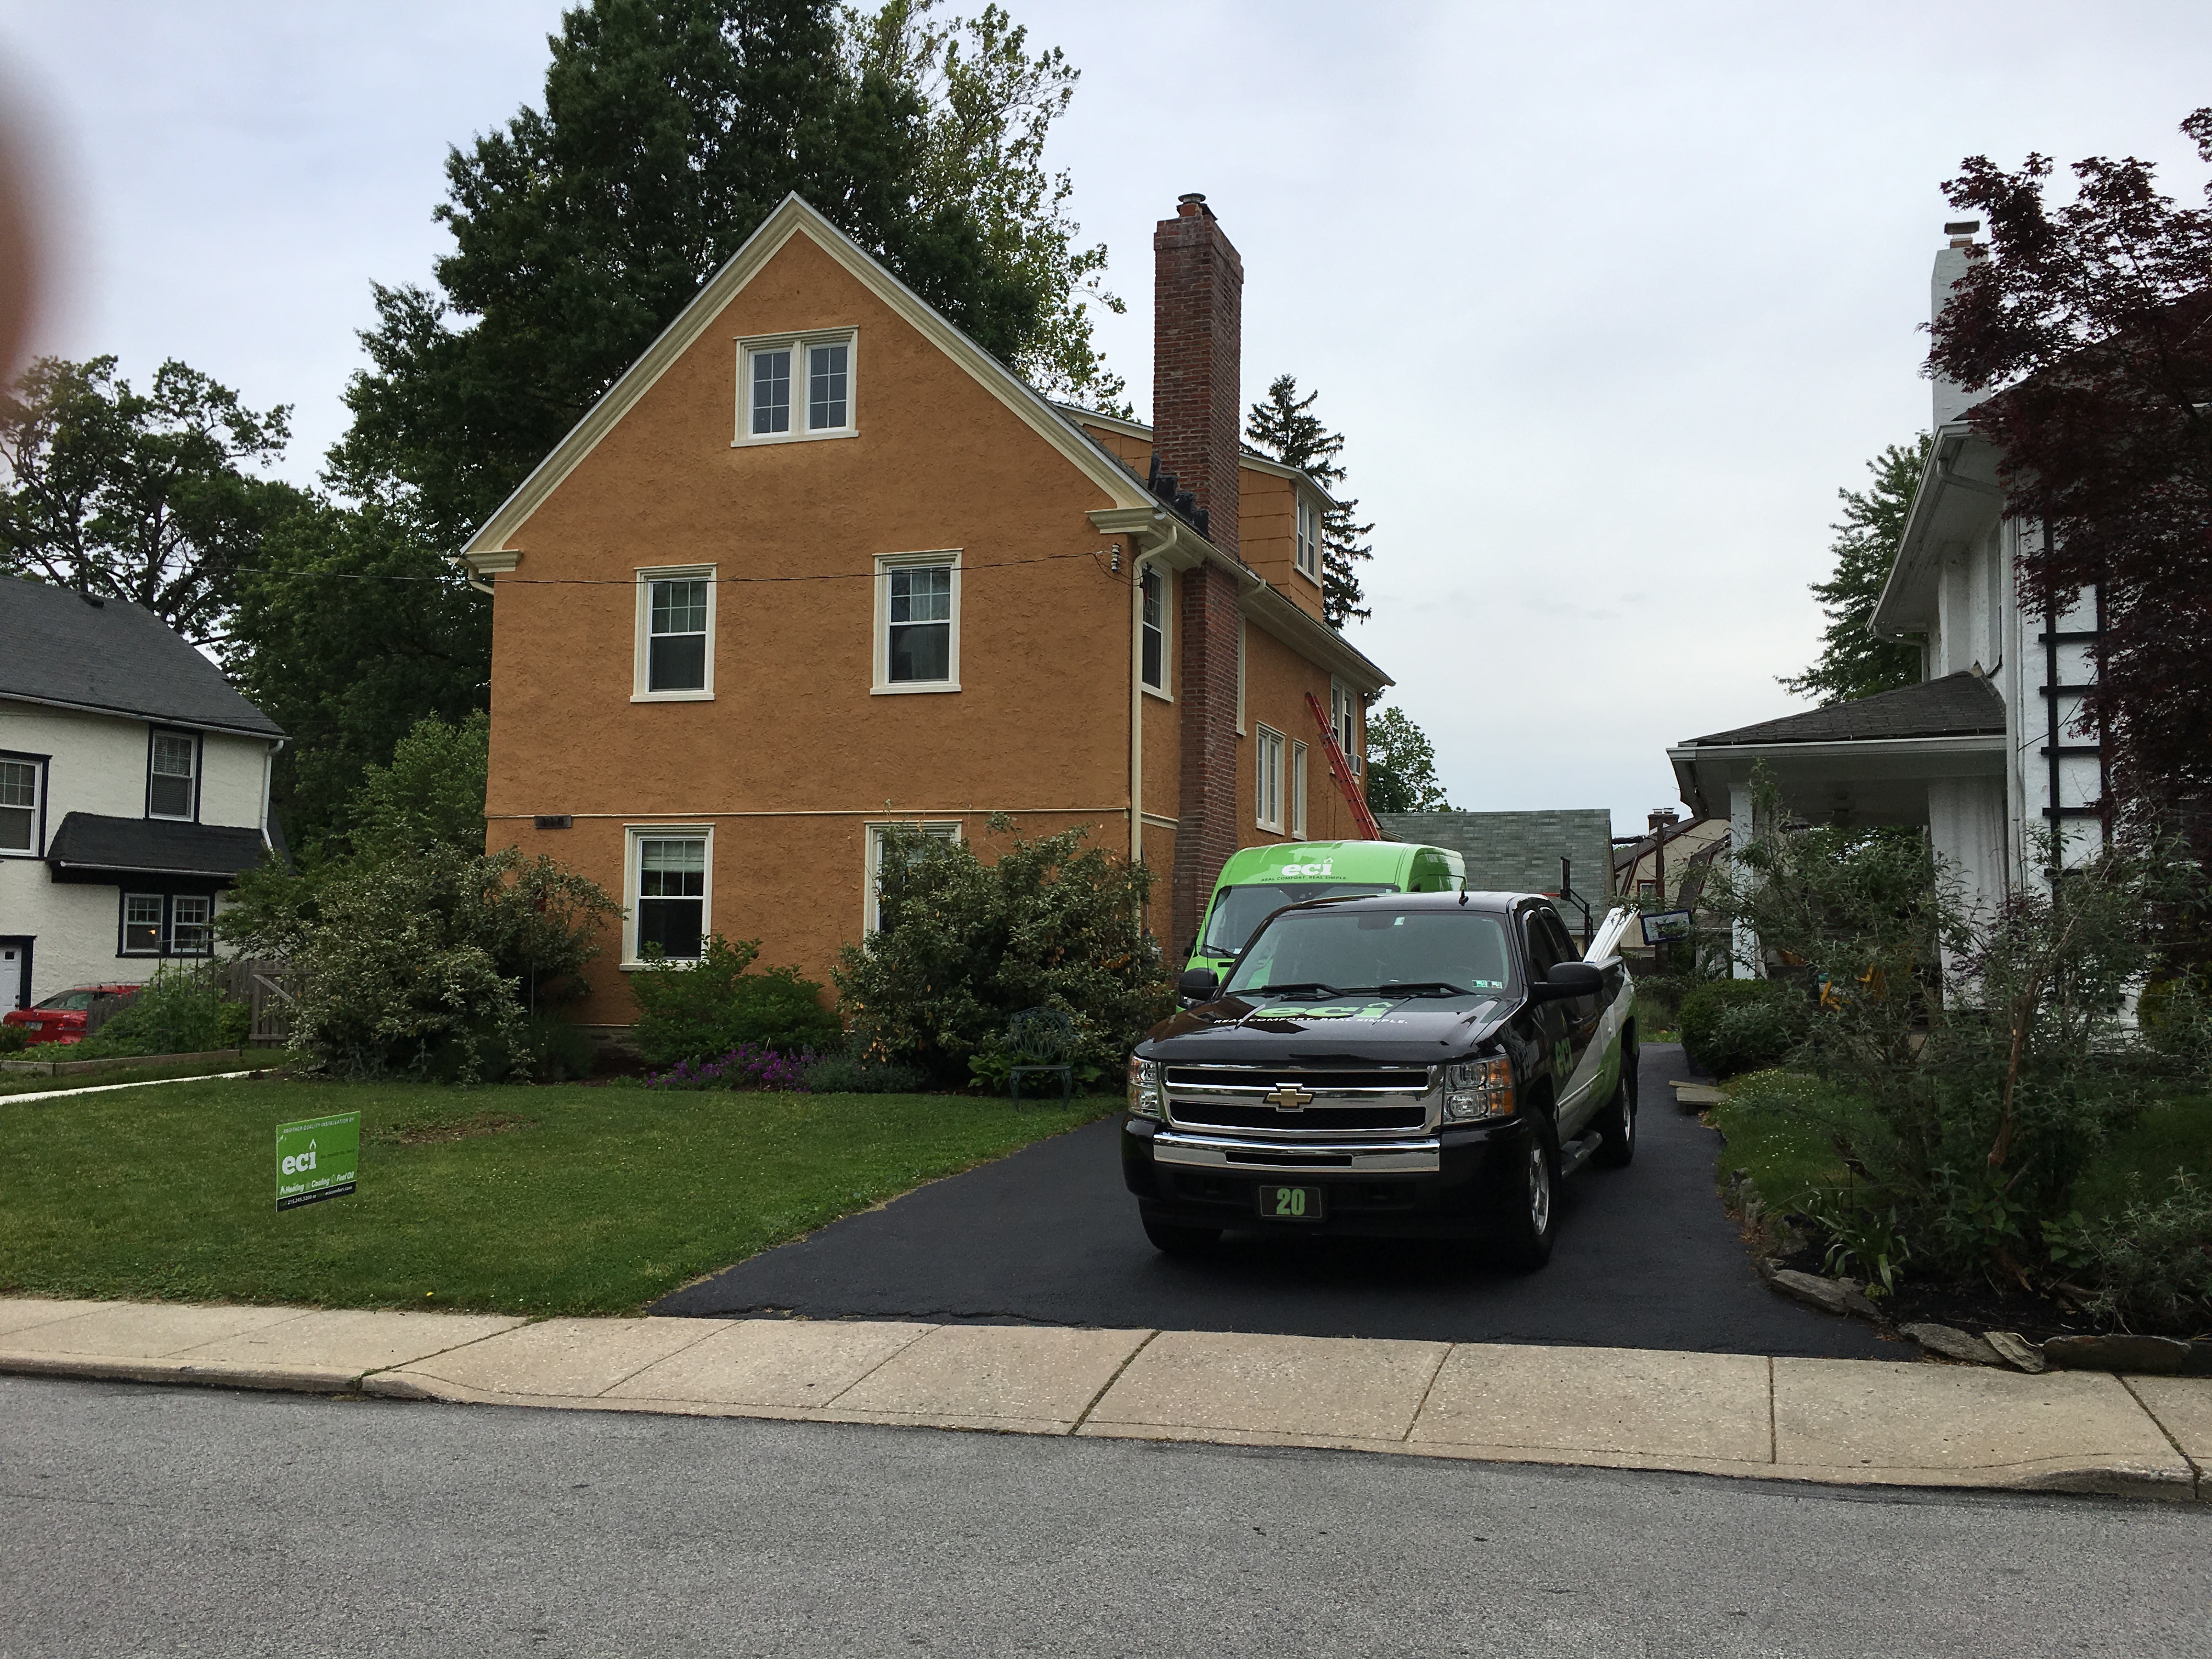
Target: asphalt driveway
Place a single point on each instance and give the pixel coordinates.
(1645, 1259)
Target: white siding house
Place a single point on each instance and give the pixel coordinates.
(1985, 752)
(134, 786)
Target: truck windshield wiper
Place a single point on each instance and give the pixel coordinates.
(1426, 988)
(1307, 987)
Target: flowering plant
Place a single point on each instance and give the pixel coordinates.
(748, 1066)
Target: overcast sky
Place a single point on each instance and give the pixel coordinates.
(1608, 299)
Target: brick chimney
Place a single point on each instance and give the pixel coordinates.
(1952, 263)
(1198, 298)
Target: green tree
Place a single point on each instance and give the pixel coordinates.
(1852, 663)
(1402, 766)
(142, 496)
(354, 629)
(671, 129)
(431, 794)
(1282, 427)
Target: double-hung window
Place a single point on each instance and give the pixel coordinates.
(168, 925)
(1267, 778)
(669, 884)
(191, 930)
(142, 924)
(1308, 553)
(918, 621)
(1298, 790)
(22, 778)
(892, 846)
(675, 635)
(1344, 717)
(796, 387)
(1152, 626)
(173, 776)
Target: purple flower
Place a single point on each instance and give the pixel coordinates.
(748, 1066)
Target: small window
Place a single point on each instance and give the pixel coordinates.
(19, 806)
(142, 924)
(795, 388)
(1645, 890)
(191, 930)
(1267, 778)
(1298, 790)
(917, 621)
(675, 634)
(825, 386)
(1153, 582)
(883, 841)
(771, 392)
(173, 776)
(1309, 537)
(672, 896)
(1344, 719)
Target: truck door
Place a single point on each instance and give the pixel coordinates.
(1580, 1019)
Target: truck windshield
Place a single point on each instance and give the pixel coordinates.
(1428, 952)
(1239, 911)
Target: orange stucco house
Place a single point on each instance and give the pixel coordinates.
(818, 564)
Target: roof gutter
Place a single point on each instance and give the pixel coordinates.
(1941, 477)
(265, 735)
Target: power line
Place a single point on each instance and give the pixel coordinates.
(506, 581)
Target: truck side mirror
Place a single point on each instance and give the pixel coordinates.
(1569, 979)
(1195, 985)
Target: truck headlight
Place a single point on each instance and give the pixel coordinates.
(1477, 1090)
(1145, 1098)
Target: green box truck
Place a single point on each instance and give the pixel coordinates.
(1260, 880)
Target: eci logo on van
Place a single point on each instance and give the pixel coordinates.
(1324, 868)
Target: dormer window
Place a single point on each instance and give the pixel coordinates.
(172, 776)
(795, 388)
(1308, 548)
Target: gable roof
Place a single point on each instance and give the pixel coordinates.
(1963, 704)
(112, 658)
(794, 217)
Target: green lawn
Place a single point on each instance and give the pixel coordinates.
(563, 1200)
(33, 1083)
(1786, 1156)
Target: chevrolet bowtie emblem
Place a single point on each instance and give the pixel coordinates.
(1288, 1097)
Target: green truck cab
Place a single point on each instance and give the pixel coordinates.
(1260, 880)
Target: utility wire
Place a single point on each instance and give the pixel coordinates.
(502, 580)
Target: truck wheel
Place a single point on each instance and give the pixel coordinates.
(1534, 1217)
(1616, 1127)
(1170, 1240)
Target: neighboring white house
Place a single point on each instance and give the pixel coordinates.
(134, 786)
(1983, 751)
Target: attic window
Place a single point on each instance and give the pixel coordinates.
(173, 776)
(1308, 550)
(795, 387)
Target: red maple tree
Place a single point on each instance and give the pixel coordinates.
(2094, 318)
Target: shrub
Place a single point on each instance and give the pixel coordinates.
(13, 1039)
(964, 944)
(688, 1011)
(843, 1075)
(180, 1011)
(1731, 1025)
(432, 963)
(2151, 1266)
(748, 1066)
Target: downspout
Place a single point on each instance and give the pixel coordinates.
(1136, 710)
(268, 776)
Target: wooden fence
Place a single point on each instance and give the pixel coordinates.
(266, 987)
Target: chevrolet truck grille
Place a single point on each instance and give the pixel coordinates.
(1297, 1101)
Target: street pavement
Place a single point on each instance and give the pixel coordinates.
(186, 1522)
(1645, 1259)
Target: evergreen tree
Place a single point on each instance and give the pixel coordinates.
(1282, 427)
(671, 129)
(1402, 766)
(1852, 663)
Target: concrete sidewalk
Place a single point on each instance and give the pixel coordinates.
(1851, 1422)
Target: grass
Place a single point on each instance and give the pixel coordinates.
(1786, 1156)
(559, 1200)
(32, 1083)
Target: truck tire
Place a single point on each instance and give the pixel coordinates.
(1170, 1240)
(1533, 1216)
(1616, 1127)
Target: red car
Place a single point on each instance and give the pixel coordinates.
(62, 1017)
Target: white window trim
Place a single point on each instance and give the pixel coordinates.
(160, 927)
(1345, 703)
(884, 685)
(39, 765)
(191, 815)
(797, 344)
(1304, 501)
(641, 652)
(1264, 770)
(1297, 769)
(633, 834)
(1165, 689)
(871, 858)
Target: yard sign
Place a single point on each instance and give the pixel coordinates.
(317, 1159)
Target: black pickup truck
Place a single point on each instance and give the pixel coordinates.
(1409, 1065)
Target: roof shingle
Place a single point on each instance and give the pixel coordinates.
(1958, 705)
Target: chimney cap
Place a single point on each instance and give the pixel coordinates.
(1193, 196)
(1962, 226)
